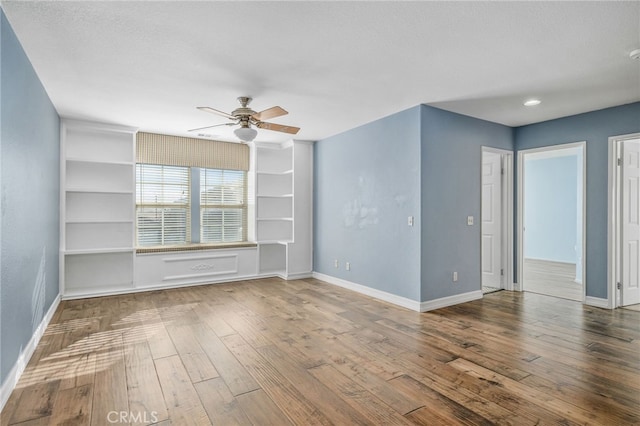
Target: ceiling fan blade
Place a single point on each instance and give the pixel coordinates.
(278, 127)
(215, 111)
(272, 112)
(215, 125)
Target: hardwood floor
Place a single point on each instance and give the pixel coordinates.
(304, 352)
(552, 278)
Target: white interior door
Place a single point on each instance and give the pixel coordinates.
(630, 206)
(491, 219)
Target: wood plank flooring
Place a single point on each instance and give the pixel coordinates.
(552, 278)
(304, 352)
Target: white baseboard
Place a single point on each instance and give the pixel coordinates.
(23, 359)
(541, 259)
(298, 276)
(443, 302)
(70, 295)
(399, 300)
(597, 302)
(368, 291)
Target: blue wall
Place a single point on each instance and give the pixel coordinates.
(595, 128)
(451, 189)
(551, 208)
(29, 193)
(367, 183)
(359, 172)
(422, 162)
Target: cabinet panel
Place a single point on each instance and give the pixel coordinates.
(206, 266)
(273, 258)
(98, 272)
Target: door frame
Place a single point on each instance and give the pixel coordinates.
(614, 238)
(521, 154)
(506, 242)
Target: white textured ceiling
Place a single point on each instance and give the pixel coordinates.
(332, 65)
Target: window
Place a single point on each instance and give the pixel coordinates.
(190, 191)
(162, 205)
(164, 196)
(223, 206)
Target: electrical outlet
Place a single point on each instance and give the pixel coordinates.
(455, 277)
(336, 264)
(470, 220)
(410, 221)
(347, 266)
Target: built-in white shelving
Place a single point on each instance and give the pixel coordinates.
(282, 229)
(97, 208)
(274, 193)
(97, 229)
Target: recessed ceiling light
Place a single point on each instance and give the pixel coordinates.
(635, 54)
(532, 102)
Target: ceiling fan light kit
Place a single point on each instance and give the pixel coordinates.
(246, 134)
(245, 117)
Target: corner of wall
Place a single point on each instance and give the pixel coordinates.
(451, 157)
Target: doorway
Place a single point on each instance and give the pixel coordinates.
(551, 218)
(496, 220)
(624, 220)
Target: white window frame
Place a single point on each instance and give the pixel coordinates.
(194, 209)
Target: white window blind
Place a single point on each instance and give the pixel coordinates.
(162, 205)
(223, 206)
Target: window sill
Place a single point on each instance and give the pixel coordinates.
(194, 247)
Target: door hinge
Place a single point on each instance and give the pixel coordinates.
(618, 286)
(501, 271)
(619, 161)
(502, 171)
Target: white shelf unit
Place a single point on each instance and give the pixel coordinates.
(283, 174)
(274, 193)
(97, 176)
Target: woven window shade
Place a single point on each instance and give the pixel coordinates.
(153, 148)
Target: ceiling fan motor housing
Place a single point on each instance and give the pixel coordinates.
(244, 110)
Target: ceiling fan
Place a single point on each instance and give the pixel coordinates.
(245, 117)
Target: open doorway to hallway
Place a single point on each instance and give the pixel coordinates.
(551, 225)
